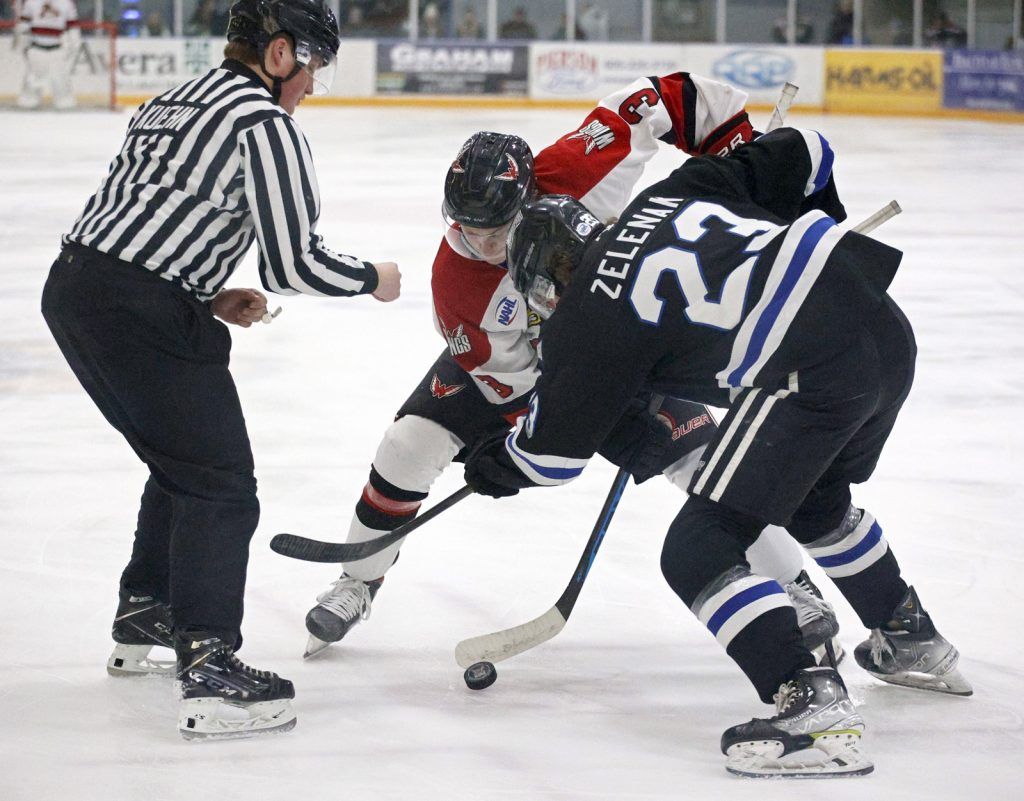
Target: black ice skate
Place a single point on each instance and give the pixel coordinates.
(817, 620)
(815, 733)
(223, 698)
(909, 651)
(339, 609)
(141, 623)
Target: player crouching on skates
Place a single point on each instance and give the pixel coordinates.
(714, 295)
(131, 301)
(480, 384)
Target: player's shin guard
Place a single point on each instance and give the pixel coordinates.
(752, 618)
(856, 556)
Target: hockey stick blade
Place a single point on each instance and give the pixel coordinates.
(887, 212)
(310, 550)
(504, 644)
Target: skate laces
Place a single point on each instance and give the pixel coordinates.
(880, 647)
(348, 598)
(808, 604)
(787, 695)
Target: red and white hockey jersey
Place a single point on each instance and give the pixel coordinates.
(47, 20)
(490, 332)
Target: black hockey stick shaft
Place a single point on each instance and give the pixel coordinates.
(568, 599)
(572, 591)
(310, 550)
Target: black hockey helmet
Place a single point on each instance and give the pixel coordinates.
(489, 181)
(311, 24)
(552, 232)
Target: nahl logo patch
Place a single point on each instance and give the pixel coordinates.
(439, 389)
(508, 310)
(457, 339)
(595, 134)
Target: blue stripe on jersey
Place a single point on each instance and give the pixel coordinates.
(825, 167)
(560, 474)
(793, 271)
(740, 600)
(869, 541)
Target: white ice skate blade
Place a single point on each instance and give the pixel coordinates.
(314, 646)
(834, 755)
(951, 683)
(216, 719)
(133, 660)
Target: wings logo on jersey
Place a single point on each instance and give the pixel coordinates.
(596, 134)
(457, 339)
(439, 389)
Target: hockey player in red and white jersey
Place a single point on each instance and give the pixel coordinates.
(48, 31)
(481, 383)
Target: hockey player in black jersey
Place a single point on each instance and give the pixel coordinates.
(712, 286)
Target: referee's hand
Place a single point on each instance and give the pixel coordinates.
(240, 306)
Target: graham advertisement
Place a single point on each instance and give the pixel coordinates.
(451, 69)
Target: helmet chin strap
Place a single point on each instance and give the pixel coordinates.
(276, 81)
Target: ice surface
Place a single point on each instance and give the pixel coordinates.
(629, 701)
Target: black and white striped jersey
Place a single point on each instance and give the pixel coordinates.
(205, 169)
(711, 282)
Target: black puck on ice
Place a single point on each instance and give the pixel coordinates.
(480, 675)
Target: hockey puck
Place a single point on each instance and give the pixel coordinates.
(480, 675)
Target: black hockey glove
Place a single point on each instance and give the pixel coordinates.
(640, 443)
(490, 471)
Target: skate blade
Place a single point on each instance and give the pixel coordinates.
(314, 646)
(128, 661)
(834, 755)
(202, 719)
(951, 683)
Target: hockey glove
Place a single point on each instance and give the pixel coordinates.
(490, 471)
(640, 443)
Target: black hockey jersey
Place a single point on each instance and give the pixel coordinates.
(709, 282)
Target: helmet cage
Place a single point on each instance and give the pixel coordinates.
(551, 230)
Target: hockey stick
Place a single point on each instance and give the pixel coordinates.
(887, 212)
(782, 107)
(310, 550)
(503, 644)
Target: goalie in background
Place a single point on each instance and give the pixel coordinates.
(48, 32)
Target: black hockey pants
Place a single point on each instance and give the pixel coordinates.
(155, 361)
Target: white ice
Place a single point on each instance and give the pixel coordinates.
(630, 700)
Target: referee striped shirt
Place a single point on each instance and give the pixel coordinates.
(205, 169)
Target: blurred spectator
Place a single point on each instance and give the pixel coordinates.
(804, 31)
(154, 25)
(560, 31)
(469, 26)
(207, 20)
(945, 33)
(430, 22)
(840, 30)
(353, 22)
(518, 26)
(593, 20)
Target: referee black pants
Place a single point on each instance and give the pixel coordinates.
(155, 362)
